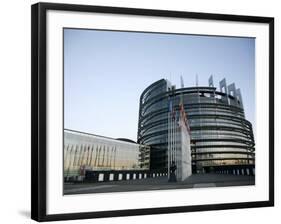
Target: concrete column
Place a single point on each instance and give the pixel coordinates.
(100, 177)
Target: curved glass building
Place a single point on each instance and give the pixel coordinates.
(222, 140)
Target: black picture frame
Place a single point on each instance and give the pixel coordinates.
(39, 107)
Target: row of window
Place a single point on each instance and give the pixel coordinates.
(222, 156)
(221, 149)
(225, 162)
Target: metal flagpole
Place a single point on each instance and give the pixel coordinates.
(91, 155)
(174, 136)
(173, 149)
(175, 144)
(169, 138)
(114, 158)
(173, 129)
(199, 108)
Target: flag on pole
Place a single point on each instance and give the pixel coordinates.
(174, 114)
(182, 85)
(170, 106)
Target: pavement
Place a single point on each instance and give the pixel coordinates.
(159, 183)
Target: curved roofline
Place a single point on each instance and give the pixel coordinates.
(126, 140)
(151, 85)
(100, 136)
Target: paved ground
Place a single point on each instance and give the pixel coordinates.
(160, 183)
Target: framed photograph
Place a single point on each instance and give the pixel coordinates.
(141, 111)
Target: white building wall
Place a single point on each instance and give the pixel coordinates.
(185, 149)
(84, 151)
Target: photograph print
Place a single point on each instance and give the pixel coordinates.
(150, 111)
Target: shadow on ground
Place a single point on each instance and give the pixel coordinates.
(160, 183)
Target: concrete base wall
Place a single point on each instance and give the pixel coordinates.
(108, 176)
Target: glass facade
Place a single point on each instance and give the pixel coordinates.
(90, 152)
(220, 134)
(153, 123)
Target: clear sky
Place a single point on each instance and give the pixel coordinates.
(105, 73)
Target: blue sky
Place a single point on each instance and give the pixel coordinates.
(105, 73)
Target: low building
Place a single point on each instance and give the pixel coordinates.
(96, 157)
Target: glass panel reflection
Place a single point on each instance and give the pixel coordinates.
(90, 152)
